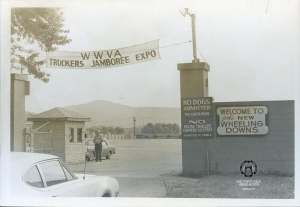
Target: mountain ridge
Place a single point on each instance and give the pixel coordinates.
(107, 113)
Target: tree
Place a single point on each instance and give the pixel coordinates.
(161, 128)
(111, 129)
(119, 130)
(176, 129)
(104, 129)
(35, 25)
(148, 129)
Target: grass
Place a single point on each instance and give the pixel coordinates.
(227, 186)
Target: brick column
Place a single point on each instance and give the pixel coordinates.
(193, 84)
(20, 87)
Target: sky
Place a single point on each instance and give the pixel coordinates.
(249, 45)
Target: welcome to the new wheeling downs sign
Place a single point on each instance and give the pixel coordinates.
(243, 120)
(104, 58)
(197, 117)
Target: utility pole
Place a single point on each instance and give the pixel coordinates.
(133, 126)
(184, 12)
(193, 17)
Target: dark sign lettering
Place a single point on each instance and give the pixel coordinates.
(197, 117)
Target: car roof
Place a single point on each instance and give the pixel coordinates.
(27, 159)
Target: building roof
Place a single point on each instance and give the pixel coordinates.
(59, 114)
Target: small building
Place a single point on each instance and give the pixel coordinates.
(59, 132)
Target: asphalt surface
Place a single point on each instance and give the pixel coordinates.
(141, 166)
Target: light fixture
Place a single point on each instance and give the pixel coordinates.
(184, 11)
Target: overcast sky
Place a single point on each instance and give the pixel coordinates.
(249, 45)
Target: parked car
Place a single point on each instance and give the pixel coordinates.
(44, 175)
(107, 150)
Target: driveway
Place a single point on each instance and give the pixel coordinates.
(141, 166)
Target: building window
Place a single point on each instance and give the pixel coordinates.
(79, 135)
(71, 135)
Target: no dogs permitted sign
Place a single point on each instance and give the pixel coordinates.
(197, 117)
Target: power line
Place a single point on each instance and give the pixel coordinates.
(156, 118)
(122, 52)
(37, 104)
(144, 33)
(110, 121)
(133, 126)
(107, 43)
(201, 54)
(130, 118)
(176, 44)
(122, 47)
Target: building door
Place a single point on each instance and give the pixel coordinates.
(42, 143)
(58, 147)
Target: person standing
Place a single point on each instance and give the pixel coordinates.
(98, 146)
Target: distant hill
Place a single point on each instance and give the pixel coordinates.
(110, 114)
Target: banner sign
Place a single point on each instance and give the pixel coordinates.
(104, 58)
(244, 120)
(197, 117)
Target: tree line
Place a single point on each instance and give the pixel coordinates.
(161, 128)
(150, 128)
(107, 129)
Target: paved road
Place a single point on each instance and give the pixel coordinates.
(141, 166)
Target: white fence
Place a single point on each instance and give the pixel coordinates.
(112, 136)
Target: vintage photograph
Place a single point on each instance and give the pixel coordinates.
(154, 103)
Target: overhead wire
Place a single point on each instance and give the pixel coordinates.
(37, 103)
(156, 118)
(130, 118)
(110, 121)
(163, 36)
(106, 43)
(122, 52)
(201, 54)
(141, 33)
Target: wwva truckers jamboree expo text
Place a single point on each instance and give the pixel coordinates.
(117, 59)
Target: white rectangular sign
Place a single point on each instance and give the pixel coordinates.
(244, 120)
(104, 58)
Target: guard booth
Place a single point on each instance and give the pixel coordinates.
(59, 132)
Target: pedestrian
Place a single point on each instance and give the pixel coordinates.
(98, 146)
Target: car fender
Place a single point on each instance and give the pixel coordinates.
(100, 185)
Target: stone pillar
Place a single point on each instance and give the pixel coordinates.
(193, 84)
(193, 79)
(20, 87)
